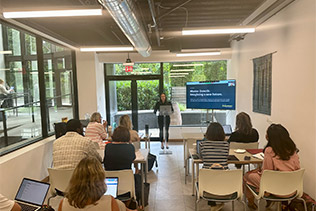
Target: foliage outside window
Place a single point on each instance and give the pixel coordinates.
(198, 71)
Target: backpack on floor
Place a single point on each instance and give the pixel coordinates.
(297, 205)
(151, 160)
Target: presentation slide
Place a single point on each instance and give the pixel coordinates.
(211, 95)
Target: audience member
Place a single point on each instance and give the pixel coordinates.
(279, 155)
(244, 132)
(69, 149)
(86, 189)
(125, 121)
(119, 154)
(96, 131)
(214, 150)
(8, 205)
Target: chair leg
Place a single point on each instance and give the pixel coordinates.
(233, 206)
(279, 204)
(196, 205)
(304, 202)
(244, 204)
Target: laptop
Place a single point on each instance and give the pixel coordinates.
(227, 129)
(112, 186)
(31, 194)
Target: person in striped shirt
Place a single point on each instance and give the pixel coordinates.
(95, 131)
(214, 149)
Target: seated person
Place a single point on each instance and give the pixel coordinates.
(214, 150)
(119, 154)
(86, 189)
(244, 132)
(125, 121)
(279, 155)
(69, 149)
(8, 205)
(95, 131)
(5, 95)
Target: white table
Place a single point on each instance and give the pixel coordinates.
(241, 160)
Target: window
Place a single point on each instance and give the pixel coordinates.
(20, 112)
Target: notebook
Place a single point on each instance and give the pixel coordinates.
(31, 194)
(227, 129)
(112, 186)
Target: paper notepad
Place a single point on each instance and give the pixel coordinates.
(259, 155)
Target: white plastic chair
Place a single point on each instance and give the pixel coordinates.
(237, 145)
(126, 181)
(280, 183)
(223, 185)
(58, 179)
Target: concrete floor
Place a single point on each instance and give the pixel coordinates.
(167, 188)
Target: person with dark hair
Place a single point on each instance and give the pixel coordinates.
(86, 189)
(119, 154)
(280, 154)
(214, 150)
(69, 149)
(161, 121)
(244, 132)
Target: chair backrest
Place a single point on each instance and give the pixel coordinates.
(60, 129)
(126, 181)
(220, 182)
(237, 145)
(59, 178)
(282, 183)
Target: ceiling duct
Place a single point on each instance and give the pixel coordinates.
(124, 14)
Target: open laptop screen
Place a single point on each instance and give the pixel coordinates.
(33, 192)
(112, 186)
(227, 130)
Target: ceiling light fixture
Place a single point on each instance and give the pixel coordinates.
(183, 70)
(53, 13)
(205, 31)
(215, 53)
(187, 65)
(128, 61)
(106, 49)
(5, 52)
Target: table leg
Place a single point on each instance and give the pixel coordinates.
(5, 131)
(193, 177)
(184, 152)
(146, 170)
(143, 188)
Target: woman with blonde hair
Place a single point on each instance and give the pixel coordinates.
(86, 189)
(96, 131)
(244, 132)
(126, 122)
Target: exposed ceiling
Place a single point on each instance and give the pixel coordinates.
(171, 16)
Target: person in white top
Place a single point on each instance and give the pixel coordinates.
(3, 89)
(86, 190)
(8, 205)
(95, 131)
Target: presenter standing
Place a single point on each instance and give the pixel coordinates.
(161, 121)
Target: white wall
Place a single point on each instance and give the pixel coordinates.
(87, 85)
(292, 34)
(31, 162)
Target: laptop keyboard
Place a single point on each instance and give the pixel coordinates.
(26, 207)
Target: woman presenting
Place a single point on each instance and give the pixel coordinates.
(163, 101)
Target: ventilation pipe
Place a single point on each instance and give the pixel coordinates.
(123, 12)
